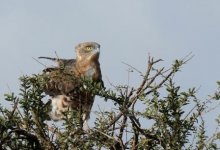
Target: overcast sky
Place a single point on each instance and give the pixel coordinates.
(126, 29)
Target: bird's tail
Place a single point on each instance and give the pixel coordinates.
(53, 59)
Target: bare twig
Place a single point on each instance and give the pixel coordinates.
(115, 120)
(135, 138)
(56, 55)
(133, 68)
(148, 136)
(121, 132)
(110, 137)
(39, 62)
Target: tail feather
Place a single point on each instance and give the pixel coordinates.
(53, 59)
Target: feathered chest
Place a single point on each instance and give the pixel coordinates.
(89, 69)
(90, 72)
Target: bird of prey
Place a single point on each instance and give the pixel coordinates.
(63, 82)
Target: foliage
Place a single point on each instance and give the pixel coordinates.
(174, 121)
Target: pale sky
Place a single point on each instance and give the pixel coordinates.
(126, 29)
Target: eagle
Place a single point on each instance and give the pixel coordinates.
(64, 82)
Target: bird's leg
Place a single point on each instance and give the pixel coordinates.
(85, 122)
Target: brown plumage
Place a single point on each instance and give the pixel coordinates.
(64, 80)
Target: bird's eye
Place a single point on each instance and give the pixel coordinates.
(88, 48)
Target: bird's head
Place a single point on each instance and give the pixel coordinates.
(88, 51)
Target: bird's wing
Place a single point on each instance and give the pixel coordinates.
(60, 82)
(61, 62)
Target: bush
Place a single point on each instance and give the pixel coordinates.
(174, 121)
